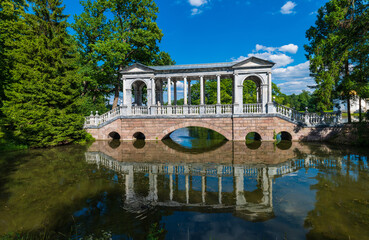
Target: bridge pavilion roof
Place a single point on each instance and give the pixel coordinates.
(249, 63)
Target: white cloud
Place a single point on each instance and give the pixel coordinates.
(291, 48)
(288, 7)
(293, 79)
(195, 11)
(197, 3)
(280, 59)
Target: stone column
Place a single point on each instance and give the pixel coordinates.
(153, 85)
(185, 90)
(218, 89)
(169, 91)
(201, 90)
(237, 95)
(124, 102)
(267, 107)
(270, 98)
(175, 92)
(189, 93)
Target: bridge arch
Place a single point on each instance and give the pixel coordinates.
(114, 135)
(165, 133)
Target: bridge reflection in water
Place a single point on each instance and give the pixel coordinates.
(231, 177)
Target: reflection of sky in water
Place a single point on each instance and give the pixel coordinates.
(181, 136)
(292, 198)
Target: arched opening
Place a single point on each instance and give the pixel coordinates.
(194, 139)
(284, 136)
(253, 140)
(139, 93)
(284, 140)
(139, 136)
(114, 136)
(251, 90)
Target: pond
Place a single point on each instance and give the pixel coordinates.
(195, 185)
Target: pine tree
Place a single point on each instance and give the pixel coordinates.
(10, 14)
(41, 101)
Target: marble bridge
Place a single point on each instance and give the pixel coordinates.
(147, 112)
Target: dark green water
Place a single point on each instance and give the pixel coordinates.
(196, 187)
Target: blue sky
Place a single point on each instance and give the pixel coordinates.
(208, 31)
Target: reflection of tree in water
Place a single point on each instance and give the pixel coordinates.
(59, 195)
(342, 206)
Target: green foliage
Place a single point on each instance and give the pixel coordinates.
(112, 34)
(41, 100)
(338, 51)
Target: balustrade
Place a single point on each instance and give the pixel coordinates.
(140, 110)
(309, 119)
(252, 108)
(227, 109)
(210, 109)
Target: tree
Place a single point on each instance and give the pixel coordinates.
(41, 101)
(112, 34)
(10, 14)
(333, 40)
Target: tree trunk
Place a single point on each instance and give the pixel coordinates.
(359, 109)
(117, 88)
(348, 110)
(347, 72)
(116, 96)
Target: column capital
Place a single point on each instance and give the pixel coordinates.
(184, 77)
(201, 76)
(218, 75)
(235, 74)
(168, 78)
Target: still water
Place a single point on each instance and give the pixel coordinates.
(197, 186)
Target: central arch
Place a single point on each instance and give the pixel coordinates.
(139, 93)
(165, 133)
(251, 89)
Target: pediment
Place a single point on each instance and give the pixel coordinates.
(254, 62)
(137, 68)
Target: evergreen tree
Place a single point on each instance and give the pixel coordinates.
(10, 14)
(41, 101)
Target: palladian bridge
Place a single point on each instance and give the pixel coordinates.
(144, 113)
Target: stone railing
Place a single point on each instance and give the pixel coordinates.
(304, 118)
(308, 119)
(253, 108)
(139, 110)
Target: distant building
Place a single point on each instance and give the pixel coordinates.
(354, 104)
